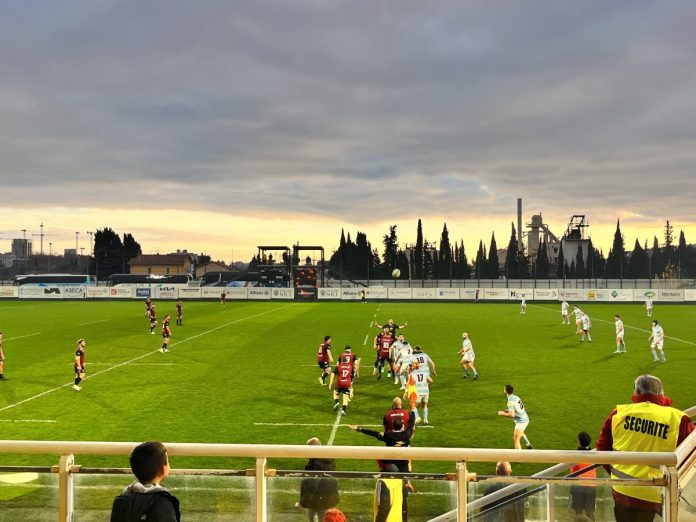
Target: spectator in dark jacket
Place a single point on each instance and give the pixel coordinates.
(321, 493)
(145, 499)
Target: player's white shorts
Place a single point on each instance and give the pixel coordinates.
(422, 397)
(657, 344)
(521, 426)
(468, 358)
(620, 336)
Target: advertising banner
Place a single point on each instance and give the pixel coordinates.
(143, 292)
(189, 293)
(257, 292)
(546, 294)
(674, 295)
(40, 292)
(571, 294)
(689, 294)
(423, 293)
(399, 293)
(242, 292)
(470, 294)
(97, 292)
(329, 293)
(73, 292)
(9, 291)
(377, 292)
(282, 293)
(350, 294)
(305, 294)
(213, 292)
(639, 294)
(122, 292)
(516, 294)
(609, 294)
(495, 294)
(447, 294)
(166, 292)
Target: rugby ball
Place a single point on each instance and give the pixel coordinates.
(396, 273)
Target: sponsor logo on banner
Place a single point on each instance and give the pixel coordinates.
(259, 293)
(609, 294)
(519, 293)
(422, 293)
(329, 293)
(305, 294)
(166, 292)
(399, 293)
(350, 294)
(689, 294)
(142, 292)
(377, 293)
(282, 293)
(31, 291)
(670, 295)
(9, 291)
(571, 294)
(242, 293)
(641, 294)
(447, 293)
(97, 292)
(470, 294)
(74, 292)
(546, 294)
(189, 293)
(122, 292)
(496, 294)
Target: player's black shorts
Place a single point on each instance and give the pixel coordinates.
(79, 370)
(165, 335)
(345, 391)
(323, 365)
(386, 359)
(153, 322)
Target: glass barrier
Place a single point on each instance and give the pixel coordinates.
(28, 496)
(687, 500)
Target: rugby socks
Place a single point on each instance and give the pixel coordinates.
(654, 355)
(662, 355)
(425, 415)
(526, 440)
(77, 380)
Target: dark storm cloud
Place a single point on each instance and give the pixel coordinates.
(184, 104)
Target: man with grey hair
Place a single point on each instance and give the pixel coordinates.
(649, 423)
(506, 509)
(318, 494)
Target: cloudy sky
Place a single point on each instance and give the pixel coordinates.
(216, 126)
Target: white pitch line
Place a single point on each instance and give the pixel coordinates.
(93, 322)
(365, 341)
(130, 361)
(48, 421)
(335, 428)
(134, 364)
(306, 424)
(626, 326)
(23, 336)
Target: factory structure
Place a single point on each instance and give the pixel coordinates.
(538, 232)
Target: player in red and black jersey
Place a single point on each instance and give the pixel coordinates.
(166, 332)
(223, 297)
(79, 364)
(2, 361)
(344, 384)
(179, 313)
(153, 318)
(382, 345)
(349, 357)
(396, 412)
(393, 327)
(324, 359)
(148, 305)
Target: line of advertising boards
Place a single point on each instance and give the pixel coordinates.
(347, 294)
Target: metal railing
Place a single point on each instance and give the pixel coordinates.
(678, 467)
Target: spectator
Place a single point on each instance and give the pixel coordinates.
(334, 515)
(649, 423)
(145, 499)
(582, 498)
(390, 498)
(318, 494)
(399, 437)
(505, 509)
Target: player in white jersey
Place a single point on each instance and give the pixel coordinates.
(523, 306)
(515, 409)
(620, 343)
(578, 318)
(422, 380)
(648, 306)
(468, 356)
(585, 325)
(658, 338)
(394, 353)
(565, 318)
(404, 358)
(425, 363)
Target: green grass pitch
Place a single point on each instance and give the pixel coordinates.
(246, 373)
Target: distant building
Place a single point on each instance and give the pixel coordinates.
(7, 260)
(213, 266)
(165, 264)
(21, 248)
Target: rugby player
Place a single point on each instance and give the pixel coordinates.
(324, 359)
(166, 332)
(79, 364)
(658, 338)
(344, 385)
(468, 356)
(620, 343)
(515, 409)
(382, 345)
(179, 313)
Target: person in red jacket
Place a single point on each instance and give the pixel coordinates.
(649, 423)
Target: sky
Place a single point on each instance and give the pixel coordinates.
(219, 125)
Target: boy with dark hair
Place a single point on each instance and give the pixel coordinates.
(583, 498)
(145, 499)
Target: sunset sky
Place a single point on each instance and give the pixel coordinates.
(216, 126)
